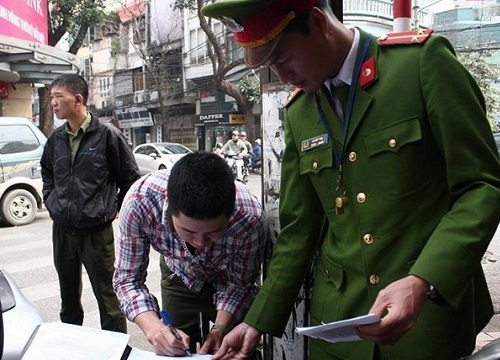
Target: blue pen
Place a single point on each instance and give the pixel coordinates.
(168, 321)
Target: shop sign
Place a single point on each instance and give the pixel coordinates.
(134, 117)
(237, 119)
(211, 119)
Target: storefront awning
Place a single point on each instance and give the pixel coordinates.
(32, 62)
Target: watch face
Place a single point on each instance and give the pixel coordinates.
(432, 293)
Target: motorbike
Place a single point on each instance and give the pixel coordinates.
(234, 161)
(256, 167)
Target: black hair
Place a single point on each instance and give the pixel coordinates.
(299, 24)
(201, 186)
(75, 84)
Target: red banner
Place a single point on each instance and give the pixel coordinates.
(24, 19)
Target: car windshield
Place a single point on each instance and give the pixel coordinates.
(173, 149)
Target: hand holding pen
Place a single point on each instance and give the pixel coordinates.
(168, 321)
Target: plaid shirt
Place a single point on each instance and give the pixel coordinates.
(232, 265)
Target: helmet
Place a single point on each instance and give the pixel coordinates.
(235, 132)
(243, 133)
(257, 141)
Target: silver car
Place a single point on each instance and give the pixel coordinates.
(21, 147)
(20, 318)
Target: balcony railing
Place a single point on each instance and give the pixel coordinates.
(376, 8)
(382, 10)
(148, 97)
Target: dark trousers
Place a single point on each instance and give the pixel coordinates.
(96, 252)
(185, 306)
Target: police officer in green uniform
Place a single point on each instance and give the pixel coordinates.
(402, 170)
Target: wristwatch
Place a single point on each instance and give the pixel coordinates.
(432, 293)
(220, 327)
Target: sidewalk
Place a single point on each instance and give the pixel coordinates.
(484, 338)
(490, 333)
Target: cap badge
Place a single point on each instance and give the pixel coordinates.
(232, 24)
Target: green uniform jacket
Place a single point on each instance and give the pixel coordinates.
(422, 179)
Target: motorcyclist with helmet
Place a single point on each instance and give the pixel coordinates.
(257, 156)
(247, 159)
(235, 150)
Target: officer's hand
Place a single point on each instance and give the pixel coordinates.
(398, 305)
(239, 344)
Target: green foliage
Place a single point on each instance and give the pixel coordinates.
(70, 15)
(250, 88)
(487, 76)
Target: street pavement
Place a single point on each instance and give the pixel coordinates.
(26, 252)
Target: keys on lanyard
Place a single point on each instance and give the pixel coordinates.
(340, 201)
(340, 204)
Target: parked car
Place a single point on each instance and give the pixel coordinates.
(21, 148)
(20, 317)
(158, 156)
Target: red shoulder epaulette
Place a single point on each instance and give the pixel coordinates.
(292, 96)
(405, 37)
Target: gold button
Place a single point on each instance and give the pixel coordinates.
(368, 239)
(352, 156)
(315, 165)
(374, 279)
(393, 143)
(361, 197)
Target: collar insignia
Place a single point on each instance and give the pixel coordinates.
(368, 73)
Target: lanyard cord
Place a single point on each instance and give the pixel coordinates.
(347, 116)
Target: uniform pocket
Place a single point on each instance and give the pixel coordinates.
(326, 298)
(316, 160)
(398, 157)
(319, 165)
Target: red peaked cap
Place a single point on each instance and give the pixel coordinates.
(257, 24)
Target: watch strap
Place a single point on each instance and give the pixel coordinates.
(220, 327)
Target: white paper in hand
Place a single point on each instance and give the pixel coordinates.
(338, 331)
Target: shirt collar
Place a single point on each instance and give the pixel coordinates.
(84, 127)
(344, 76)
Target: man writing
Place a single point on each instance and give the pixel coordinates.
(210, 232)
(405, 227)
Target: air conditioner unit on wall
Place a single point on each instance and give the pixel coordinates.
(153, 95)
(139, 97)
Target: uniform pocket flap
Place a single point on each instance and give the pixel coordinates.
(393, 137)
(313, 161)
(331, 271)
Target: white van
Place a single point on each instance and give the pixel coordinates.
(21, 148)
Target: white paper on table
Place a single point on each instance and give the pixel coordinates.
(59, 341)
(338, 331)
(137, 354)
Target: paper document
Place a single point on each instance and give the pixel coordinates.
(58, 341)
(338, 331)
(137, 354)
